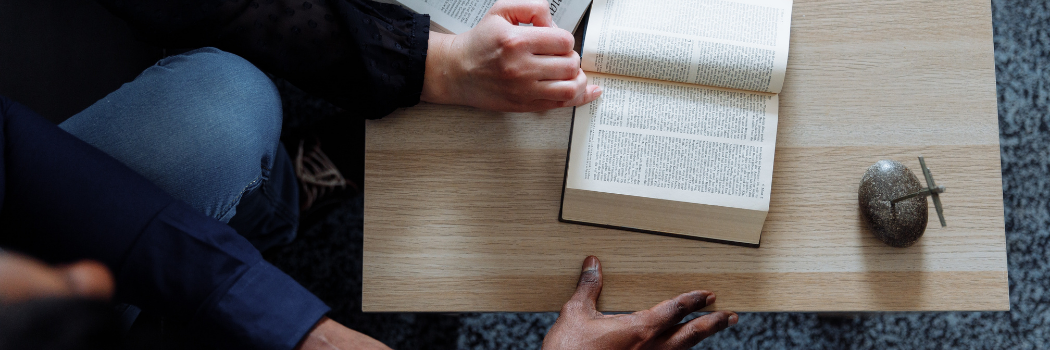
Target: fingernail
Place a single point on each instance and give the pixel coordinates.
(733, 319)
(710, 299)
(591, 264)
(598, 90)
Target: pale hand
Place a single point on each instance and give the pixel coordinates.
(499, 65)
(581, 326)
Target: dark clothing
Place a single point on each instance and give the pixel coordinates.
(63, 200)
(363, 56)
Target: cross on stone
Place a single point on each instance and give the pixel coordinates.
(931, 190)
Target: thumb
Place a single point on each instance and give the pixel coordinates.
(536, 12)
(585, 300)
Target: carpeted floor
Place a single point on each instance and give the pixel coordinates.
(327, 257)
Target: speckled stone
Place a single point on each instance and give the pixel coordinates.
(900, 224)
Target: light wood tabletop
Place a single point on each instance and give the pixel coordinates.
(461, 205)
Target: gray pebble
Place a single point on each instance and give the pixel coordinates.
(899, 224)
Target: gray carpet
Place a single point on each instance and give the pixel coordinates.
(327, 257)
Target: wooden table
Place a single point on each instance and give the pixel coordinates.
(461, 205)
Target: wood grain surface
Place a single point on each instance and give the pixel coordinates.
(461, 205)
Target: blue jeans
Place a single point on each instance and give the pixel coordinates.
(205, 127)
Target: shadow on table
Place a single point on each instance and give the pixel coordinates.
(896, 275)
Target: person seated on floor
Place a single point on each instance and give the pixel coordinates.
(186, 180)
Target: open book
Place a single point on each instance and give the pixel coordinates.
(458, 16)
(681, 141)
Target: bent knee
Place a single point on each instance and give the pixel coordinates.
(229, 90)
(234, 101)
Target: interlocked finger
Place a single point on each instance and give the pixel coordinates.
(536, 12)
(563, 67)
(569, 91)
(546, 41)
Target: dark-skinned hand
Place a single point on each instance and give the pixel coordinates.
(581, 326)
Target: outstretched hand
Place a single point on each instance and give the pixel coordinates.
(581, 326)
(499, 65)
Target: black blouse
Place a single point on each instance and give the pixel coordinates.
(363, 56)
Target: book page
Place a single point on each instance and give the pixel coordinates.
(458, 16)
(675, 141)
(736, 44)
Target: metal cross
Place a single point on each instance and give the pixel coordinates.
(931, 190)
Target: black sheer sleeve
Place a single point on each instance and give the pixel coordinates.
(363, 56)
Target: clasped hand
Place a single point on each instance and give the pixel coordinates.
(499, 65)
